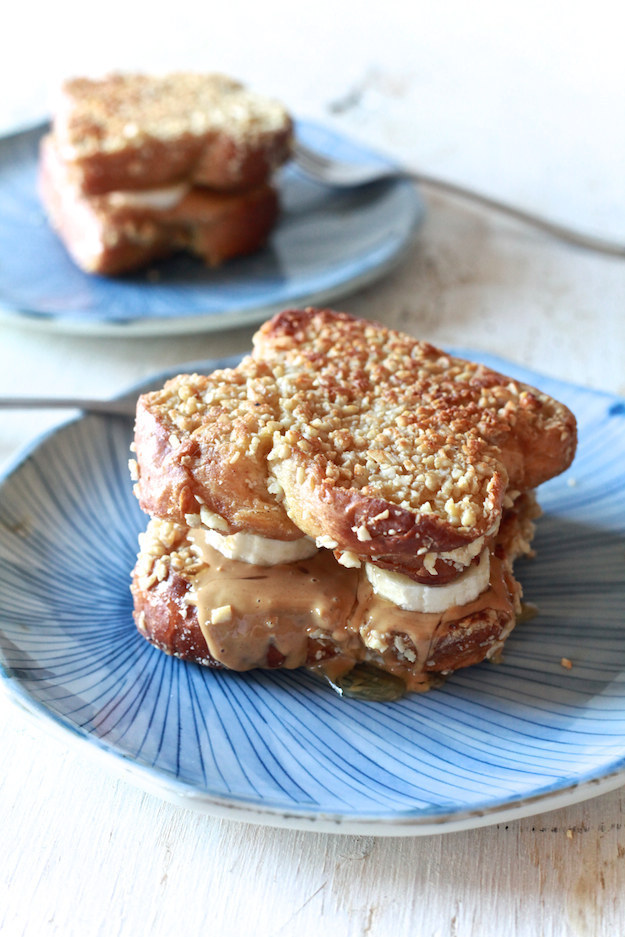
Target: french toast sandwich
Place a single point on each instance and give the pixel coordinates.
(138, 167)
(136, 131)
(386, 482)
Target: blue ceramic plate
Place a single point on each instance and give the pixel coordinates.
(326, 245)
(495, 742)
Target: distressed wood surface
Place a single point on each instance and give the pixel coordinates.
(524, 104)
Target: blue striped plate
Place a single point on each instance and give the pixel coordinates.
(496, 742)
(327, 243)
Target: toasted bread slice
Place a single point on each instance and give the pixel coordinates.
(411, 382)
(135, 131)
(115, 233)
(397, 451)
(383, 448)
(196, 605)
(202, 444)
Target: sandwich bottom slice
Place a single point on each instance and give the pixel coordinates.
(121, 231)
(194, 602)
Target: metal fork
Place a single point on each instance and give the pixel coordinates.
(335, 173)
(120, 407)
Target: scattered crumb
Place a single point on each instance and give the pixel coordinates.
(572, 482)
(566, 663)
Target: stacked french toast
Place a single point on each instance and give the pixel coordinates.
(138, 167)
(346, 495)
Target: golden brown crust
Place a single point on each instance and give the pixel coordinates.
(535, 434)
(395, 449)
(217, 226)
(110, 237)
(172, 627)
(386, 448)
(374, 528)
(135, 131)
(202, 442)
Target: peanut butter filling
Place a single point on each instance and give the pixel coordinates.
(250, 615)
(318, 614)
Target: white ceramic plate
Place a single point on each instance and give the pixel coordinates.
(494, 743)
(327, 244)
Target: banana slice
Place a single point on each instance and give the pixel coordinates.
(415, 597)
(263, 551)
(159, 199)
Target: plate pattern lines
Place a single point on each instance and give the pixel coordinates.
(283, 744)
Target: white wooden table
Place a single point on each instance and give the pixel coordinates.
(526, 105)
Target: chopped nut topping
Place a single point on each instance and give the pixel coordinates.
(358, 434)
(108, 114)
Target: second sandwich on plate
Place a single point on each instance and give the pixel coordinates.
(137, 167)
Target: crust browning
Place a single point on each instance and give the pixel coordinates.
(385, 448)
(135, 131)
(109, 238)
(202, 442)
(421, 386)
(383, 423)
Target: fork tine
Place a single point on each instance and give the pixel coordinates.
(330, 171)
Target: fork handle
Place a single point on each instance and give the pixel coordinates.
(559, 231)
(112, 407)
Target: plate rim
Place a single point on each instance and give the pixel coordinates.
(183, 794)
